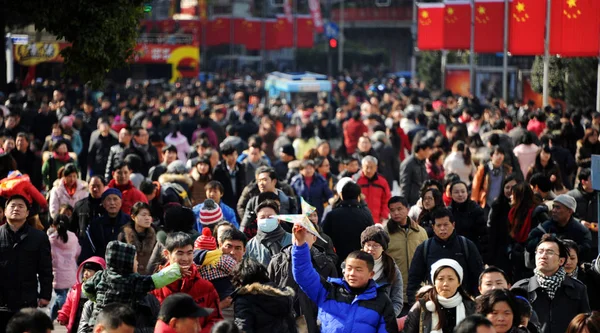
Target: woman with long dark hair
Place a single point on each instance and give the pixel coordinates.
(526, 213)
(65, 251)
(306, 141)
(375, 241)
(180, 141)
(140, 233)
(439, 308)
(544, 164)
(459, 162)
(498, 233)
(468, 215)
(201, 175)
(323, 166)
(431, 199)
(587, 147)
(526, 151)
(435, 165)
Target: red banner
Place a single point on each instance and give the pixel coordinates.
(575, 30)
(457, 26)
(287, 10)
(374, 14)
(218, 31)
(489, 26)
(526, 31)
(315, 12)
(284, 32)
(271, 41)
(306, 28)
(247, 33)
(430, 27)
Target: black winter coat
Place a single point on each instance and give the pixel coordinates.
(590, 276)
(99, 153)
(25, 259)
(437, 249)
(412, 176)
(99, 233)
(574, 230)
(555, 315)
(264, 308)
(115, 156)
(221, 174)
(84, 212)
(149, 157)
(413, 320)
(344, 224)
(388, 162)
(29, 164)
(470, 222)
(280, 272)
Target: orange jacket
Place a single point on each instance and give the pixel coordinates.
(481, 183)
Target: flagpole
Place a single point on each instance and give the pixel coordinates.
(505, 55)
(413, 58)
(472, 49)
(341, 39)
(546, 55)
(444, 62)
(295, 32)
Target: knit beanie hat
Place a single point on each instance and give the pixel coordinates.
(109, 191)
(567, 201)
(210, 213)
(205, 241)
(447, 263)
(377, 234)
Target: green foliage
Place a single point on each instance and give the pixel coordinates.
(102, 33)
(556, 76)
(579, 91)
(429, 66)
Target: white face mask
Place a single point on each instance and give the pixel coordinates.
(267, 225)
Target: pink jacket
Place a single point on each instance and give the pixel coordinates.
(64, 259)
(68, 312)
(59, 196)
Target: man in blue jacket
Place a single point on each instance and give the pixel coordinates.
(352, 304)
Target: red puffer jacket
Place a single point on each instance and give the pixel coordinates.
(131, 195)
(377, 194)
(17, 183)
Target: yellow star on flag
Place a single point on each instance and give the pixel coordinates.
(451, 11)
(572, 3)
(520, 7)
(425, 14)
(481, 10)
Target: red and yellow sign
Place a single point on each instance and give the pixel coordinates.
(185, 59)
(37, 53)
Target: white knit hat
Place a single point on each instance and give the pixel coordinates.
(341, 183)
(447, 263)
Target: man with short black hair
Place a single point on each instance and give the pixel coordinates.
(231, 174)
(444, 244)
(130, 194)
(115, 318)
(29, 321)
(26, 262)
(555, 297)
(542, 187)
(99, 150)
(87, 209)
(233, 242)
(488, 180)
(116, 152)
(270, 238)
(413, 172)
(140, 146)
(169, 154)
(27, 161)
(179, 313)
(493, 278)
(475, 324)
(586, 198)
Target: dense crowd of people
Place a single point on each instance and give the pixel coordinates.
(168, 208)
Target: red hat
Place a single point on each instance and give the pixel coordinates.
(205, 241)
(210, 213)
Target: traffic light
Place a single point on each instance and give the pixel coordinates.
(333, 43)
(147, 7)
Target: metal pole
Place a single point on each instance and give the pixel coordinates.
(342, 39)
(472, 51)
(10, 69)
(444, 61)
(295, 31)
(546, 55)
(413, 58)
(263, 37)
(231, 42)
(505, 56)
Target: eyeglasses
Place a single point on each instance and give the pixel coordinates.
(549, 253)
(372, 246)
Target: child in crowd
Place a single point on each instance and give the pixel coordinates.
(120, 282)
(70, 314)
(212, 264)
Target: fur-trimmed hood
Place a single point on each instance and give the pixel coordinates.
(143, 247)
(185, 180)
(265, 289)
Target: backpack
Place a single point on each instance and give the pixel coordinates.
(184, 198)
(530, 257)
(463, 244)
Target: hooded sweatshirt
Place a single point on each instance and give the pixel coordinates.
(71, 310)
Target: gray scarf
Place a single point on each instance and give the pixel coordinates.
(550, 284)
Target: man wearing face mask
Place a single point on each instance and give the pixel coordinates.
(271, 237)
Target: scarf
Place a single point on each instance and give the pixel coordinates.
(520, 235)
(574, 273)
(455, 301)
(550, 284)
(63, 158)
(378, 268)
(271, 240)
(70, 190)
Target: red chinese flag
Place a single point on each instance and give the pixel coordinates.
(575, 30)
(489, 26)
(218, 31)
(247, 33)
(457, 25)
(526, 30)
(271, 33)
(430, 34)
(284, 32)
(306, 30)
